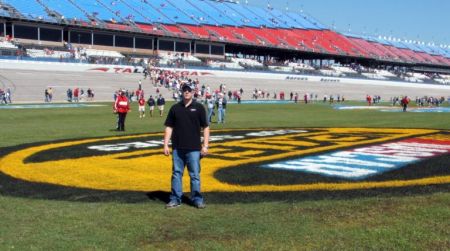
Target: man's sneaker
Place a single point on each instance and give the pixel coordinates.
(200, 205)
(172, 204)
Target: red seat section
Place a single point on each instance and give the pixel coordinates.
(398, 53)
(443, 60)
(388, 54)
(428, 58)
(224, 33)
(264, 34)
(121, 27)
(148, 28)
(318, 38)
(247, 35)
(309, 40)
(198, 31)
(342, 43)
(294, 39)
(366, 46)
(175, 30)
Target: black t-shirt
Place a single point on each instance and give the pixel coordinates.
(151, 102)
(160, 101)
(187, 123)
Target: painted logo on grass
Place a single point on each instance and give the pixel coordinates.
(265, 160)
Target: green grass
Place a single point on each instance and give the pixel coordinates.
(397, 221)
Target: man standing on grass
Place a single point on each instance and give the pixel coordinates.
(160, 102)
(405, 102)
(121, 107)
(184, 123)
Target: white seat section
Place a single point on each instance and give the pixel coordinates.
(374, 76)
(331, 72)
(185, 57)
(247, 62)
(227, 65)
(7, 45)
(103, 53)
(343, 69)
(301, 66)
(35, 53)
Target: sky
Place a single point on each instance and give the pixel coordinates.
(420, 20)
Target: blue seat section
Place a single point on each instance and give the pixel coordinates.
(274, 18)
(4, 13)
(286, 21)
(171, 12)
(427, 48)
(304, 22)
(250, 15)
(203, 13)
(122, 11)
(223, 15)
(95, 9)
(147, 9)
(30, 8)
(192, 11)
(65, 8)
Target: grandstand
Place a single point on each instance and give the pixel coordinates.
(160, 27)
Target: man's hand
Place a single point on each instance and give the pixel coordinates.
(166, 150)
(204, 151)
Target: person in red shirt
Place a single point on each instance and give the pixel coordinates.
(369, 100)
(405, 102)
(141, 102)
(76, 94)
(121, 107)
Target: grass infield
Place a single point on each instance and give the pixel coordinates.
(45, 216)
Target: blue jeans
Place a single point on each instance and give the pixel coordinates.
(210, 113)
(221, 118)
(191, 159)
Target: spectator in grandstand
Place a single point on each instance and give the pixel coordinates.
(405, 102)
(141, 104)
(184, 123)
(221, 104)
(160, 102)
(121, 107)
(151, 105)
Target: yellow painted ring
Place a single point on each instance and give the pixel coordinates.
(152, 173)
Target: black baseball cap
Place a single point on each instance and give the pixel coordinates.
(187, 87)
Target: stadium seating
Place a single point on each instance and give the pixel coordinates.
(224, 34)
(225, 65)
(198, 31)
(30, 9)
(247, 62)
(35, 53)
(7, 45)
(103, 53)
(66, 9)
(226, 21)
(247, 35)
